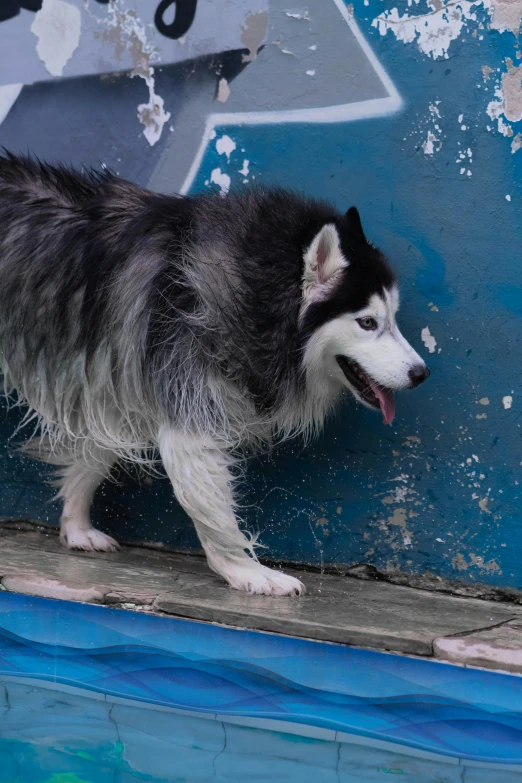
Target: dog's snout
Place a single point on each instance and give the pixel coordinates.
(418, 375)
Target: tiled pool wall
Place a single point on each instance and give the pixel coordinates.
(59, 734)
(321, 692)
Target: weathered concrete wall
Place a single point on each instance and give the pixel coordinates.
(411, 109)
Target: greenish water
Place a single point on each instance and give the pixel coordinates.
(60, 735)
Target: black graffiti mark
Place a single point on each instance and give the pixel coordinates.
(184, 16)
(10, 8)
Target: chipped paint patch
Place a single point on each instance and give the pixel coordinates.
(512, 91)
(505, 15)
(429, 145)
(484, 401)
(223, 93)
(57, 25)
(253, 35)
(245, 171)
(126, 32)
(399, 519)
(483, 505)
(428, 339)
(508, 103)
(507, 401)
(516, 144)
(303, 15)
(218, 177)
(433, 31)
(460, 563)
(152, 114)
(225, 146)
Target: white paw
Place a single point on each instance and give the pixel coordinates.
(90, 540)
(257, 579)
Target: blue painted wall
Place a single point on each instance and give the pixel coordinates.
(439, 490)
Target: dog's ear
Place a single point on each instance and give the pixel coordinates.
(324, 257)
(353, 222)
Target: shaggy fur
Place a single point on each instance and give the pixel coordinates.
(132, 321)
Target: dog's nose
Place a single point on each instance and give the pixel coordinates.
(418, 375)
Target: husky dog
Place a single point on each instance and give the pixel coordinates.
(132, 322)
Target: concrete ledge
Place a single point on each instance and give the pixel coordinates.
(338, 609)
(493, 648)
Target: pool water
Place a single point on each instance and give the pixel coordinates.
(59, 734)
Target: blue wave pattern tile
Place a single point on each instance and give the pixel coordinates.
(422, 704)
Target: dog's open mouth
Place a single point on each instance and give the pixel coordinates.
(371, 392)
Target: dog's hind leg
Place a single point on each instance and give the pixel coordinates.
(79, 482)
(202, 481)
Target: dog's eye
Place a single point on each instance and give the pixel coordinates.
(368, 323)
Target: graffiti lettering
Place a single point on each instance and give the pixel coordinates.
(184, 16)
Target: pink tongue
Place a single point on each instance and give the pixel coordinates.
(386, 401)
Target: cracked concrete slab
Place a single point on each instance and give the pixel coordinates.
(492, 648)
(336, 609)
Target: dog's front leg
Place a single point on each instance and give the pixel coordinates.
(202, 481)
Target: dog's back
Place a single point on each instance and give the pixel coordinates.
(82, 261)
(120, 307)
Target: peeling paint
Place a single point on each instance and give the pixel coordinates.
(218, 177)
(253, 35)
(225, 146)
(127, 33)
(460, 563)
(505, 15)
(483, 505)
(223, 93)
(303, 15)
(152, 114)
(512, 91)
(508, 103)
(429, 145)
(245, 171)
(484, 401)
(399, 519)
(428, 339)
(433, 31)
(57, 25)
(516, 144)
(507, 401)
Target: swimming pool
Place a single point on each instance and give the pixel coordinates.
(90, 694)
(59, 734)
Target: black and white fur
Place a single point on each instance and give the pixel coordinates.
(132, 322)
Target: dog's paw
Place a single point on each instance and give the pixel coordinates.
(254, 578)
(90, 540)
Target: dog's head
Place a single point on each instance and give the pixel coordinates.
(350, 301)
